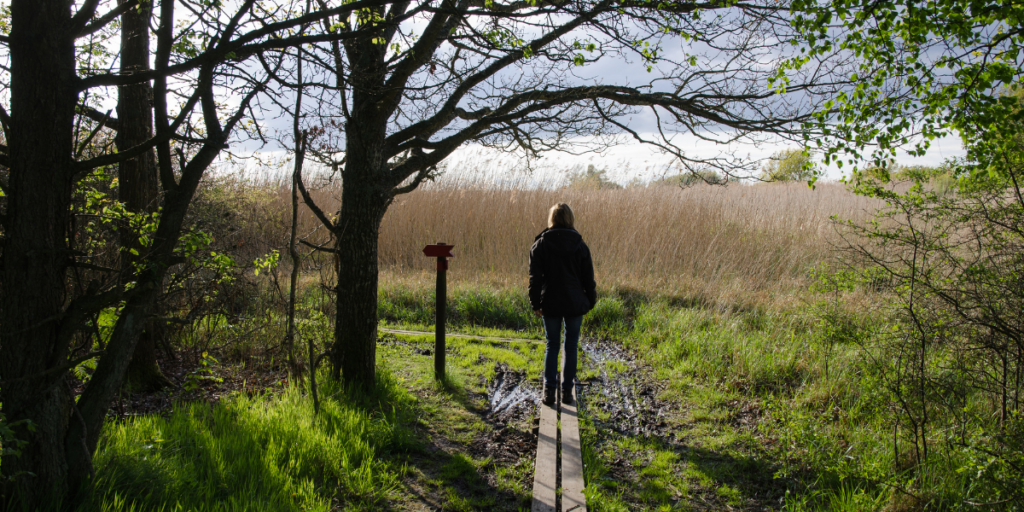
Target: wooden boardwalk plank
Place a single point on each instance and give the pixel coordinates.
(572, 462)
(545, 476)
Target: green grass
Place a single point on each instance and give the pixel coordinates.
(409, 441)
(767, 411)
(767, 414)
(453, 412)
(468, 308)
(764, 413)
(485, 312)
(716, 366)
(261, 453)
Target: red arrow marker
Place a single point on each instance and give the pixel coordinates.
(439, 251)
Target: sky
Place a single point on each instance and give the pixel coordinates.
(634, 161)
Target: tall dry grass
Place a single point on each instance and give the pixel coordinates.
(710, 240)
(720, 243)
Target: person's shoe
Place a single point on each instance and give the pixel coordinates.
(567, 396)
(549, 395)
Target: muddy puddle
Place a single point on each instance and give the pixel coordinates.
(509, 394)
(390, 340)
(621, 389)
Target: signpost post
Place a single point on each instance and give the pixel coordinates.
(442, 252)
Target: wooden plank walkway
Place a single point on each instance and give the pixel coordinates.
(572, 462)
(546, 475)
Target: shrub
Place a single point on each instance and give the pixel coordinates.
(789, 165)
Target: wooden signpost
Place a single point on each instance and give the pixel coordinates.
(442, 252)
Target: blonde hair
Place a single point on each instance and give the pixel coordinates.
(561, 216)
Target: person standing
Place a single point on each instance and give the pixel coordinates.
(562, 290)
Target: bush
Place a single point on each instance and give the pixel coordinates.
(687, 179)
(591, 179)
(789, 165)
(952, 266)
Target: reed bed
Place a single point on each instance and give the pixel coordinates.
(716, 242)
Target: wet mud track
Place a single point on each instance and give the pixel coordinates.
(511, 399)
(510, 395)
(622, 389)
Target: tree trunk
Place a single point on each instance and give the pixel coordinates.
(143, 372)
(137, 178)
(84, 428)
(355, 337)
(365, 196)
(35, 246)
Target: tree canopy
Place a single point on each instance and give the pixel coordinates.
(789, 165)
(924, 70)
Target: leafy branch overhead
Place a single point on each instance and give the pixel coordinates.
(509, 76)
(924, 70)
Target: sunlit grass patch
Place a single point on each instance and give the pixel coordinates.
(271, 453)
(453, 414)
(470, 309)
(516, 479)
(608, 315)
(261, 453)
(766, 357)
(473, 353)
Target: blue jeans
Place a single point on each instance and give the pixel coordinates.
(553, 332)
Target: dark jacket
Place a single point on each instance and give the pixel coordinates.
(561, 274)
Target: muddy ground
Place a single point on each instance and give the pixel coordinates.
(647, 451)
(654, 453)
